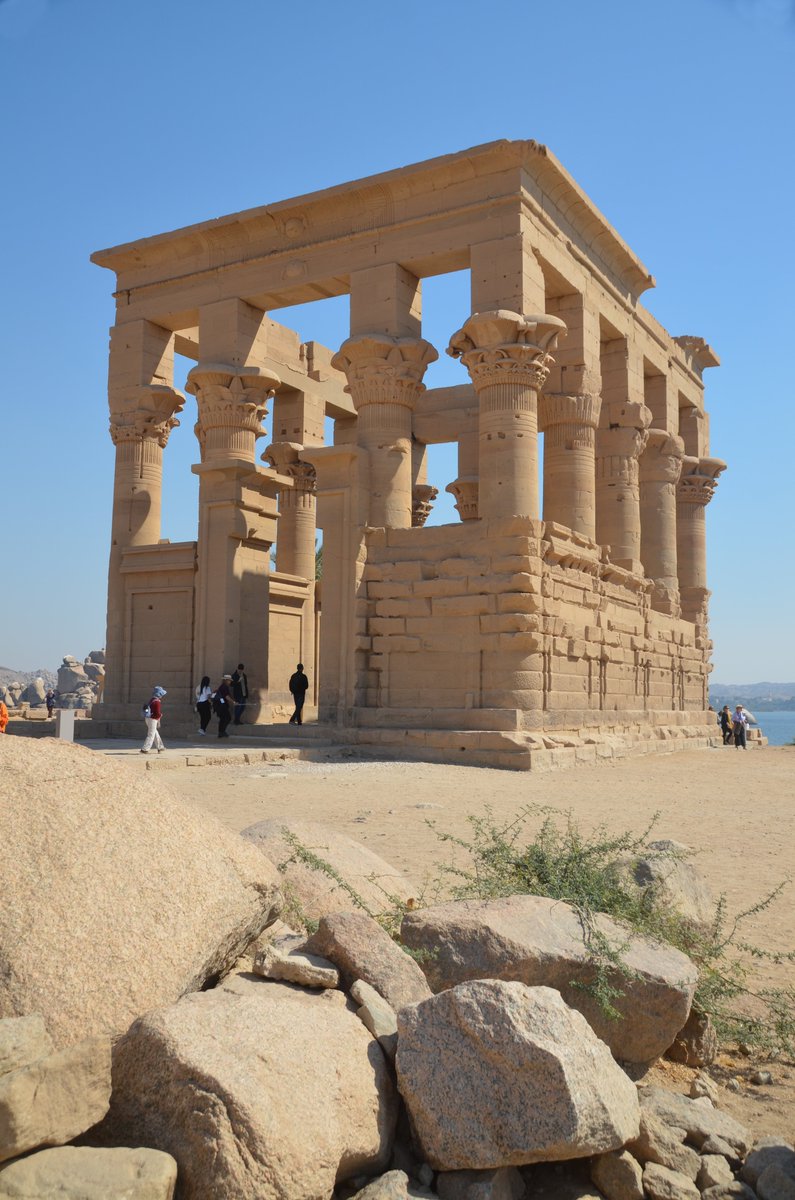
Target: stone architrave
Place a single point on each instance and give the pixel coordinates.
(620, 441)
(465, 491)
(384, 374)
(697, 484)
(541, 942)
(660, 468)
(297, 532)
(498, 1074)
(141, 421)
(569, 426)
(423, 496)
(508, 357)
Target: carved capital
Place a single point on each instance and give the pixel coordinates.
(422, 498)
(465, 491)
(231, 397)
(506, 347)
(149, 414)
(382, 369)
(661, 460)
(698, 480)
(569, 421)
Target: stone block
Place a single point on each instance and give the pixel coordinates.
(519, 602)
(23, 1040)
(455, 568)
(385, 626)
(462, 606)
(90, 1173)
(396, 645)
(516, 622)
(413, 606)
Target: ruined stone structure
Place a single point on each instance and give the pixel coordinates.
(583, 620)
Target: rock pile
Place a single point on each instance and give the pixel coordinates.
(77, 685)
(329, 1065)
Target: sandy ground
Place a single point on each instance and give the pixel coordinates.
(736, 810)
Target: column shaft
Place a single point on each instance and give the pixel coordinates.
(507, 356)
(569, 424)
(697, 485)
(660, 467)
(619, 443)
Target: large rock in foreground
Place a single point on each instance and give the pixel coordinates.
(540, 942)
(499, 1074)
(84, 1173)
(256, 1088)
(316, 893)
(117, 898)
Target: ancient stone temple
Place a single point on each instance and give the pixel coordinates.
(520, 628)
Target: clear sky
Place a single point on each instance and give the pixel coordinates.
(122, 120)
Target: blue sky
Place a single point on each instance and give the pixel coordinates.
(122, 120)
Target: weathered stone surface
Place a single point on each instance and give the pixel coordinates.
(89, 1173)
(23, 1040)
(701, 1085)
(660, 1183)
(698, 1120)
(394, 1185)
(256, 1088)
(669, 872)
(714, 1170)
(308, 970)
(502, 1183)
(729, 1191)
(376, 1015)
(317, 894)
(717, 1145)
(54, 1099)
(767, 1152)
(363, 950)
(540, 942)
(696, 1044)
(661, 1143)
(618, 1176)
(145, 898)
(777, 1182)
(497, 1074)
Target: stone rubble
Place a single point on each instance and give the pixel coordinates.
(362, 950)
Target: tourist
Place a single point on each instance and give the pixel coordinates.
(725, 722)
(222, 704)
(49, 700)
(240, 692)
(153, 711)
(298, 687)
(3, 716)
(204, 695)
(740, 725)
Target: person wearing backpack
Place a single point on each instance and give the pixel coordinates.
(222, 705)
(152, 712)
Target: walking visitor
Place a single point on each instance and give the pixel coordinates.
(222, 705)
(204, 696)
(740, 724)
(298, 689)
(240, 692)
(153, 712)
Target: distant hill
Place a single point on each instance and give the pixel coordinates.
(759, 697)
(9, 675)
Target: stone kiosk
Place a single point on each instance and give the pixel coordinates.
(516, 636)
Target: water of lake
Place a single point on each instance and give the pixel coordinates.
(778, 727)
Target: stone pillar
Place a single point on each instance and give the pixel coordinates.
(297, 532)
(143, 407)
(696, 488)
(237, 525)
(465, 487)
(384, 375)
(660, 468)
(619, 444)
(569, 425)
(507, 356)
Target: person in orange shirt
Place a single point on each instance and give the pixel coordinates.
(3, 716)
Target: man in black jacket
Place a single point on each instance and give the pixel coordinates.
(240, 693)
(298, 688)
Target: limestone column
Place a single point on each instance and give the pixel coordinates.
(237, 524)
(465, 487)
(696, 488)
(660, 468)
(508, 357)
(140, 434)
(384, 375)
(569, 425)
(619, 444)
(423, 494)
(297, 531)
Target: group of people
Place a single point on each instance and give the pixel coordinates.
(227, 701)
(734, 726)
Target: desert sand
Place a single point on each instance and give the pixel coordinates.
(735, 809)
